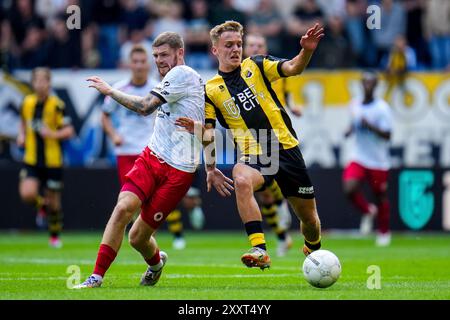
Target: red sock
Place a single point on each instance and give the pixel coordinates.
(105, 257)
(358, 200)
(383, 216)
(155, 259)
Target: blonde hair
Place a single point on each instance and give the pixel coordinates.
(230, 25)
(173, 39)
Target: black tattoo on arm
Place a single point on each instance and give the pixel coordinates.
(142, 105)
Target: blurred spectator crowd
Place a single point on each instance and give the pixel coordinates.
(414, 34)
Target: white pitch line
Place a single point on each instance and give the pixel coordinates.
(91, 262)
(33, 278)
(169, 276)
(279, 275)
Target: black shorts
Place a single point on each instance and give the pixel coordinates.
(50, 178)
(287, 168)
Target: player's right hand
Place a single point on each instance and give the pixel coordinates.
(101, 85)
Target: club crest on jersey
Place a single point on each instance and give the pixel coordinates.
(249, 74)
(222, 88)
(232, 108)
(246, 100)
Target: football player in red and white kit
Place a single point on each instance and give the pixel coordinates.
(164, 171)
(371, 125)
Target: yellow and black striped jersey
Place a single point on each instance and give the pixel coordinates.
(279, 86)
(244, 101)
(39, 151)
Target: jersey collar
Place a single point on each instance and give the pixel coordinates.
(231, 73)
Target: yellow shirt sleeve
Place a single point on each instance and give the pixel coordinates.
(270, 66)
(210, 113)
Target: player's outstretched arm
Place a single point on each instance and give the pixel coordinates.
(309, 43)
(142, 105)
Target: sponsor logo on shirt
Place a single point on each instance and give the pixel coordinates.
(306, 190)
(246, 100)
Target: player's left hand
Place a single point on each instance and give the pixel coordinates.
(312, 37)
(100, 84)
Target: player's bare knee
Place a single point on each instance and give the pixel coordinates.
(238, 169)
(123, 212)
(242, 184)
(135, 239)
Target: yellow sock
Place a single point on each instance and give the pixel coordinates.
(256, 239)
(175, 225)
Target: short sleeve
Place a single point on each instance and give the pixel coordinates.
(62, 118)
(210, 112)
(173, 87)
(269, 66)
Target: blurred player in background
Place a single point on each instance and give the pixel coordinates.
(371, 124)
(400, 60)
(129, 132)
(192, 205)
(42, 128)
(241, 97)
(164, 171)
(274, 207)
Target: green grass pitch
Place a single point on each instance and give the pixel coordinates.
(415, 266)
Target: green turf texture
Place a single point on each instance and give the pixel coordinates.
(415, 266)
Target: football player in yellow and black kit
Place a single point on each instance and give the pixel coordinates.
(274, 207)
(242, 99)
(43, 126)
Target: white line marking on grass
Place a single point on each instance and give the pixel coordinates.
(280, 275)
(32, 278)
(136, 263)
(168, 276)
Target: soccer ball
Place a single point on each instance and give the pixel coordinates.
(321, 268)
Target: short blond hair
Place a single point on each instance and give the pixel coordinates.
(173, 39)
(230, 25)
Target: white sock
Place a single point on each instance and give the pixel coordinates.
(158, 266)
(97, 277)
